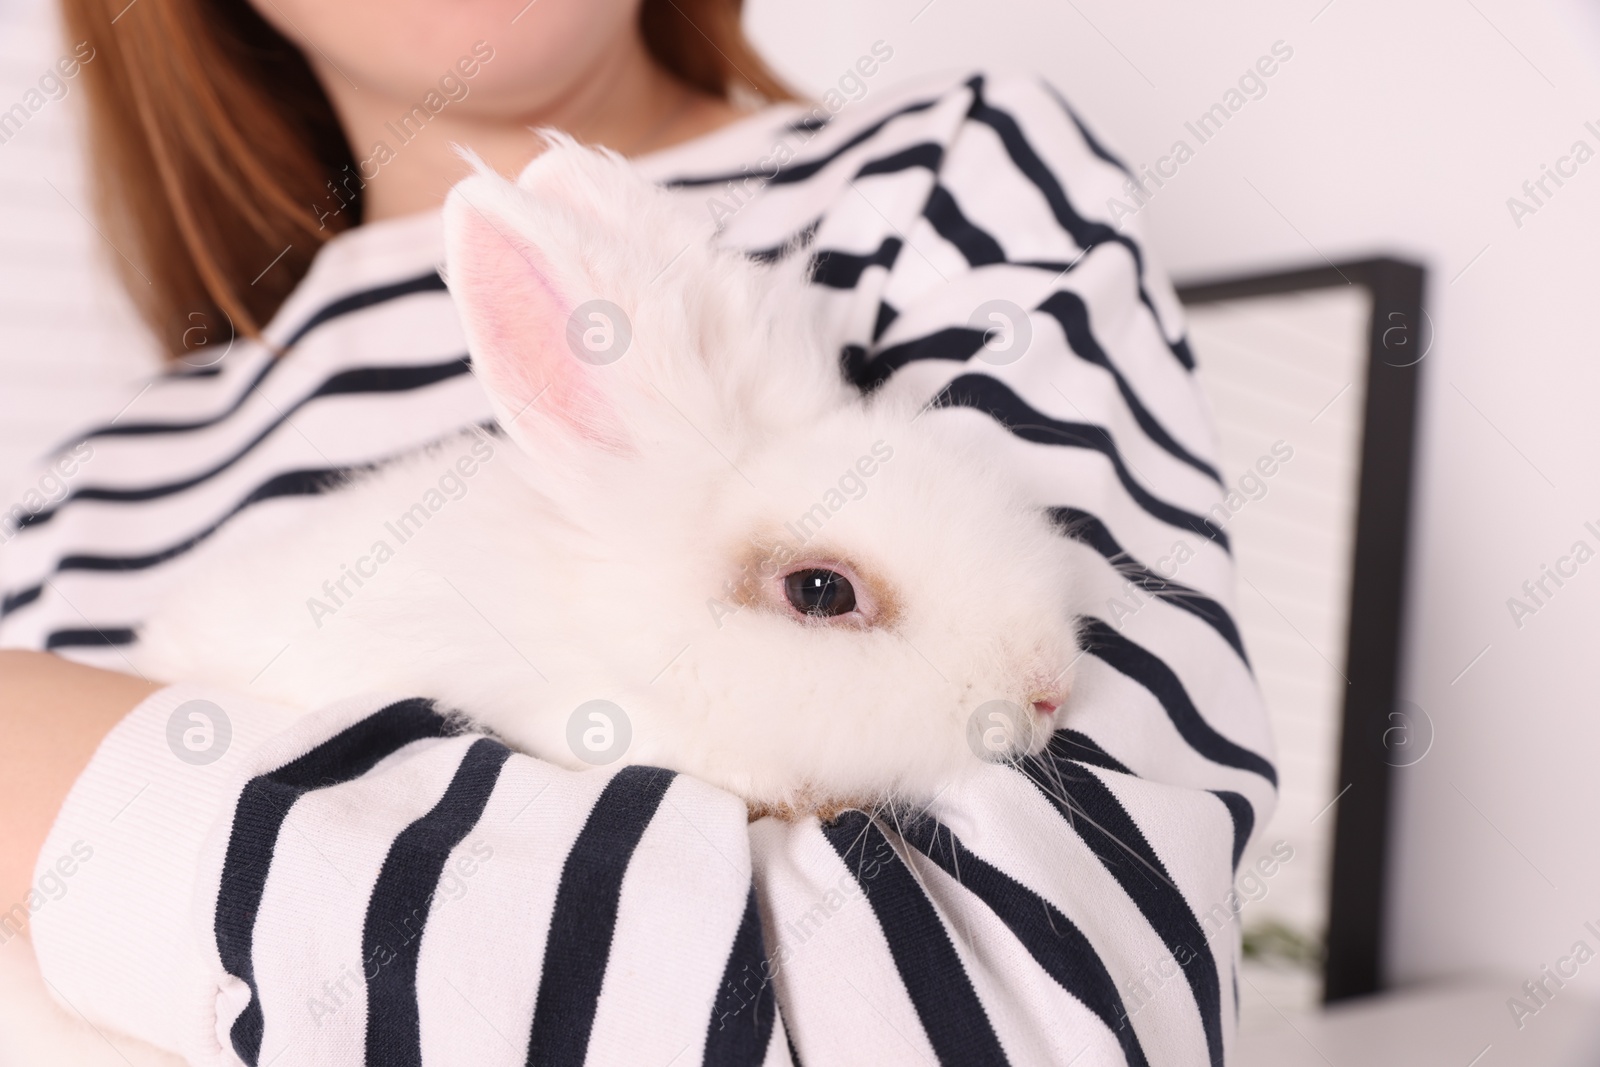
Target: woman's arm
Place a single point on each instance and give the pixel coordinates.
(53, 714)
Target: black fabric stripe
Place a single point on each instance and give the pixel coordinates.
(1083, 131)
(926, 155)
(952, 1016)
(956, 344)
(1116, 651)
(430, 282)
(961, 343)
(853, 361)
(1244, 821)
(585, 916)
(289, 483)
(1069, 310)
(842, 270)
(976, 246)
(1052, 939)
(746, 1006)
(258, 818)
(886, 316)
(996, 399)
(1068, 744)
(799, 172)
(801, 239)
(397, 913)
(1085, 233)
(1117, 842)
(113, 637)
(20, 599)
(1180, 348)
(360, 380)
(184, 372)
(1086, 528)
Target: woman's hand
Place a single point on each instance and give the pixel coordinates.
(53, 715)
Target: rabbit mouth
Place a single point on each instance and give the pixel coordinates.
(1047, 703)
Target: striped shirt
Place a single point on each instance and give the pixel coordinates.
(367, 884)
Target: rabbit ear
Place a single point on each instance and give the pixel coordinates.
(515, 309)
(599, 313)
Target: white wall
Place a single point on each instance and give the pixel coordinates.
(69, 348)
(1400, 128)
(1394, 127)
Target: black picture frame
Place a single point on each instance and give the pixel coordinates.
(1398, 337)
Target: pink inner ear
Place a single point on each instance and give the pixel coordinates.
(516, 324)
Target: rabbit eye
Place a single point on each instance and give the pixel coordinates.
(820, 593)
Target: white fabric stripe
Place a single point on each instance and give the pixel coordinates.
(329, 433)
(1063, 474)
(1057, 384)
(308, 950)
(1001, 201)
(1188, 849)
(121, 597)
(782, 209)
(1107, 594)
(1133, 726)
(1002, 817)
(119, 936)
(1125, 331)
(412, 330)
(183, 398)
(478, 976)
(1056, 140)
(778, 1049)
(1219, 692)
(836, 980)
(1036, 1020)
(682, 900)
(224, 995)
(361, 259)
(423, 333)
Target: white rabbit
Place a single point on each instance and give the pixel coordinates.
(671, 529)
(807, 597)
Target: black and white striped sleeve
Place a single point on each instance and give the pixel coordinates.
(378, 886)
(1083, 902)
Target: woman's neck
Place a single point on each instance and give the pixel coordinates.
(628, 103)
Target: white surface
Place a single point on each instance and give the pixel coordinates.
(1290, 371)
(1464, 1025)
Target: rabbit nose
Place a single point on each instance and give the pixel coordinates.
(1046, 707)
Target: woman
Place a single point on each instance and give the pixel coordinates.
(279, 883)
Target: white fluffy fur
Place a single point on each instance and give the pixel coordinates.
(584, 560)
